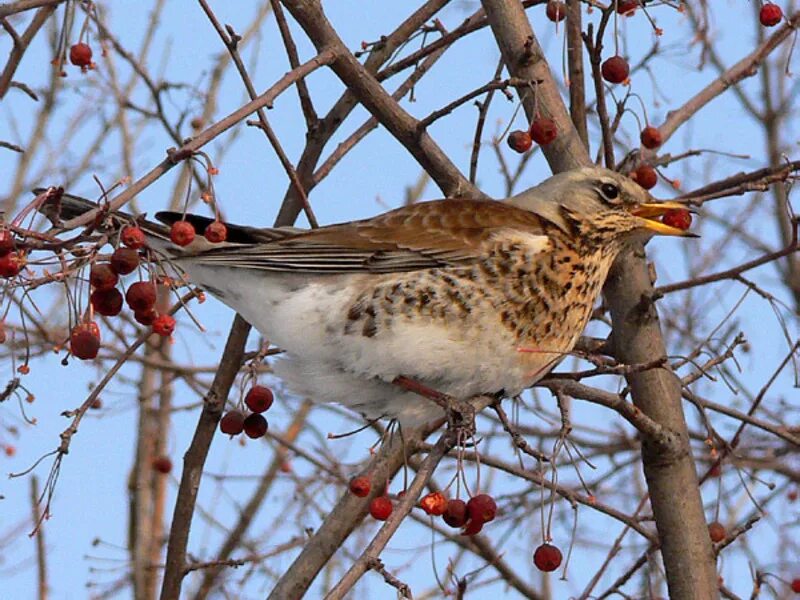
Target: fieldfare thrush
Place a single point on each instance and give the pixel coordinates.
(466, 297)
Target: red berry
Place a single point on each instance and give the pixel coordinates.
(627, 7)
(216, 232)
(473, 527)
(7, 242)
(133, 237)
(255, 425)
(258, 398)
(11, 264)
(651, 137)
(770, 15)
(679, 218)
(455, 514)
(791, 496)
(162, 464)
(164, 325)
(380, 508)
(80, 55)
(124, 260)
(482, 507)
(645, 176)
(232, 423)
(519, 141)
(547, 558)
(796, 585)
(141, 296)
(107, 302)
(543, 131)
(84, 341)
(145, 317)
(102, 276)
(434, 503)
(182, 233)
(556, 11)
(716, 531)
(615, 69)
(360, 486)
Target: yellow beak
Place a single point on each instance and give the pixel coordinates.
(650, 213)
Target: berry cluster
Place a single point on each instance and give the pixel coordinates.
(258, 399)
(471, 515)
(107, 300)
(542, 131)
(183, 233)
(11, 261)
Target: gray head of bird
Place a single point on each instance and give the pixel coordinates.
(599, 204)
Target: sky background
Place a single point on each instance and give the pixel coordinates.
(90, 499)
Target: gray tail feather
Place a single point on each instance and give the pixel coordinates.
(59, 207)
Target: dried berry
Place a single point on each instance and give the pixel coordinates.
(182, 233)
(651, 137)
(141, 296)
(102, 276)
(556, 11)
(216, 232)
(259, 398)
(164, 325)
(627, 7)
(84, 340)
(455, 514)
(145, 317)
(645, 176)
(80, 55)
(124, 260)
(615, 69)
(380, 508)
(7, 242)
(547, 558)
(255, 425)
(107, 302)
(11, 264)
(434, 503)
(770, 15)
(162, 464)
(679, 218)
(360, 486)
(232, 423)
(519, 141)
(716, 531)
(482, 507)
(543, 131)
(133, 237)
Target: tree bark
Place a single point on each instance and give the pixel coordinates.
(668, 464)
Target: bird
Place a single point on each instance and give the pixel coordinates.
(462, 296)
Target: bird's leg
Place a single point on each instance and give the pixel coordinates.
(460, 413)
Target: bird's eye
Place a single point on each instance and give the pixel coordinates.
(610, 191)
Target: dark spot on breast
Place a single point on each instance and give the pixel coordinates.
(355, 311)
(370, 328)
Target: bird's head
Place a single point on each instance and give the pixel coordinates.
(599, 204)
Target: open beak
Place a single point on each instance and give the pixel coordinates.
(650, 212)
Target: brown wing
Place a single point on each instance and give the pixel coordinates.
(424, 235)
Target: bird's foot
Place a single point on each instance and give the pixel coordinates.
(460, 413)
